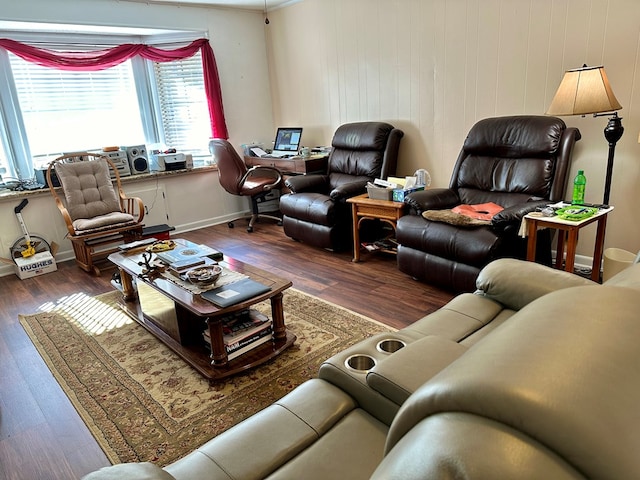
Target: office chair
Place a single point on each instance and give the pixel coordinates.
(98, 216)
(255, 183)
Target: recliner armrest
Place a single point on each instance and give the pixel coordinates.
(516, 283)
(512, 216)
(432, 199)
(348, 190)
(307, 183)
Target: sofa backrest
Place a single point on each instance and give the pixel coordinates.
(510, 160)
(552, 393)
(366, 150)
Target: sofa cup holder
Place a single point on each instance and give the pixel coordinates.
(390, 345)
(360, 363)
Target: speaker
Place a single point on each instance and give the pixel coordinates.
(138, 159)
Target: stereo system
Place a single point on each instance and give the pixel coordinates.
(138, 159)
(121, 162)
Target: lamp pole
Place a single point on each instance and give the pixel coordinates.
(612, 132)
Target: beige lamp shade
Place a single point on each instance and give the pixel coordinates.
(583, 91)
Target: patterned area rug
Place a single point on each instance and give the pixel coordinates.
(143, 403)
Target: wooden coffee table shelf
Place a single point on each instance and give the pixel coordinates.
(178, 317)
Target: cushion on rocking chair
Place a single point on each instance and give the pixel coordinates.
(88, 189)
(83, 226)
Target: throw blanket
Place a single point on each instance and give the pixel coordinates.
(465, 215)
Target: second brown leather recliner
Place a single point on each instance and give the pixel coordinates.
(316, 211)
(516, 162)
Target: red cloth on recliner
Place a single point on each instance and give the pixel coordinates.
(481, 211)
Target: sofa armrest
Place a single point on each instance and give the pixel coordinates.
(401, 373)
(432, 199)
(307, 183)
(516, 283)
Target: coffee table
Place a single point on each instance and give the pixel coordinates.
(178, 317)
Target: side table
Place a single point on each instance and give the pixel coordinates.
(365, 208)
(568, 236)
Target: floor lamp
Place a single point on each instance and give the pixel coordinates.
(584, 91)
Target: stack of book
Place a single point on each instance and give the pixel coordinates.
(242, 332)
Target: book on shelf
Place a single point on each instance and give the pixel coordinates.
(240, 326)
(241, 351)
(186, 251)
(385, 245)
(246, 344)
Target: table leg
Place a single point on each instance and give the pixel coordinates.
(532, 232)
(572, 243)
(128, 291)
(597, 253)
(277, 312)
(560, 249)
(356, 233)
(218, 352)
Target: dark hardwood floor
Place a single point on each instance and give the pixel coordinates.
(42, 436)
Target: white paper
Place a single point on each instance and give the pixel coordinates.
(410, 182)
(258, 151)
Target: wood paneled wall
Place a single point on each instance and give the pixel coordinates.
(435, 67)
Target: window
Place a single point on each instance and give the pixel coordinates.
(46, 112)
(184, 113)
(66, 111)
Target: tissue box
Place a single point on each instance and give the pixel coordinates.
(400, 194)
(35, 265)
(380, 193)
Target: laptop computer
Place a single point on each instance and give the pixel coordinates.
(287, 142)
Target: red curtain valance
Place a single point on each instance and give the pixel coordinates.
(102, 59)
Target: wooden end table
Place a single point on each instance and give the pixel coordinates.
(178, 317)
(365, 208)
(568, 236)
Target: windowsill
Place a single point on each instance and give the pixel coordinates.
(6, 194)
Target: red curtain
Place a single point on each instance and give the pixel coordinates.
(102, 59)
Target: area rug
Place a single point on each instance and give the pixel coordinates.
(143, 403)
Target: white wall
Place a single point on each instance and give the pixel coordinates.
(237, 39)
(435, 67)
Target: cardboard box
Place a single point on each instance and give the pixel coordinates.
(35, 265)
(400, 194)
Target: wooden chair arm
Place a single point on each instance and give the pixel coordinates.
(132, 206)
(65, 215)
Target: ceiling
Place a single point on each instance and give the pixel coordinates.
(244, 4)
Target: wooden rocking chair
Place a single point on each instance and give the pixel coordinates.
(98, 214)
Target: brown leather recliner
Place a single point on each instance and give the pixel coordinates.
(518, 163)
(316, 211)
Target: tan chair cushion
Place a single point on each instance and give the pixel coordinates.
(108, 221)
(88, 188)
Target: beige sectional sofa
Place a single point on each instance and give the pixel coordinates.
(535, 375)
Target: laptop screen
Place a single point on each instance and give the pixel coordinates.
(288, 139)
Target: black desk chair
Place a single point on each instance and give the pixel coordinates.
(255, 183)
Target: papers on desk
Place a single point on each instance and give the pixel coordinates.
(258, 152)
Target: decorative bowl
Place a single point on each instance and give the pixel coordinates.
(204, 276)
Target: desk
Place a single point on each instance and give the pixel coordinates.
(365, 208)
(291, 165)
(568, 235)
